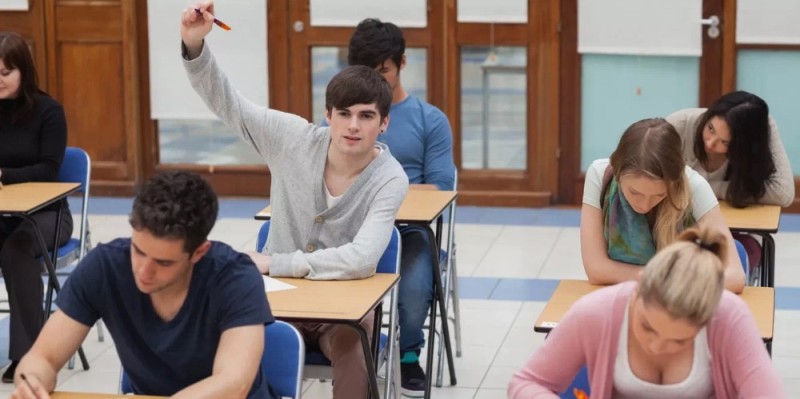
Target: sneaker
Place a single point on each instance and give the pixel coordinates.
(8, 376)
(412, 380)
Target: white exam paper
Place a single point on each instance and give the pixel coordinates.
(272, 285)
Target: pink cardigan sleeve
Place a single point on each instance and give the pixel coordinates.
(747, 368)
(554, 365)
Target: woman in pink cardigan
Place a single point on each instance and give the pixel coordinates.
(675, 334)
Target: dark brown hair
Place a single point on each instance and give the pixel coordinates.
(359, 84)
(15, 54)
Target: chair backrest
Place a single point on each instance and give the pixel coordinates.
(282, 362)
(263, 233)
(740, 249)
(77, 168)
(390, 260)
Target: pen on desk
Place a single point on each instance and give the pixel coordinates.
(28, 384)
(219, 23)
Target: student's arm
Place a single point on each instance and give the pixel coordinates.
(600, 269)
(739, 343)
(781, 190)
(553, 366)
(59, 339)
(268, 131)
(354, 260)
(734, 273)
(438, 162)
(235, 365)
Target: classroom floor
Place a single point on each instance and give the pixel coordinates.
(509, 261)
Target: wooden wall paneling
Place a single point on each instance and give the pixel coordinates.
(543, 104)
(93, 58)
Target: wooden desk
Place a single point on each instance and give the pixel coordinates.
(83, 395)
(762, 220)
(330, 301)
(27, 198)
(423, 204)
(333, 301)
(760, 300)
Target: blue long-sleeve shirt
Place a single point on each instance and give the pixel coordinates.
(420, 138)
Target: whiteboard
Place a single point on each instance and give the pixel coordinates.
(495, 11)
(768, 22)
(640, 27)
(348, 13)
(241, 53)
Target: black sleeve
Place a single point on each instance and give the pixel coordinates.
(52, 145)
(244, 299)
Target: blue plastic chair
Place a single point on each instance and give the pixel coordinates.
(744, 259)
(318, 366)
(76, 168)
(281, 363)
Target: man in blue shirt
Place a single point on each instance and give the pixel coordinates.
(420, 138)
(186, 314)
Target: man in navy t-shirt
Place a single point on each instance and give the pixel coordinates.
(186, 314)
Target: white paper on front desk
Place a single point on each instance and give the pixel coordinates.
(273, 285)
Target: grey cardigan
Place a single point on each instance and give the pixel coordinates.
(780, 192)
(306, 238)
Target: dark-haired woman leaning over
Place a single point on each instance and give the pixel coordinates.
(735, 145)
(33, 138)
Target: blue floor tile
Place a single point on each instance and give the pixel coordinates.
(514, 289)
(476, 287)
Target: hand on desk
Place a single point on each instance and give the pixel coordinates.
(262, 261)
(30, 388)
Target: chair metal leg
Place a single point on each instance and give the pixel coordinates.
(100, 336)
(456, 306)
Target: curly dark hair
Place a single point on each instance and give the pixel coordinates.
(750, 164)
(176, 205)
(374, 42)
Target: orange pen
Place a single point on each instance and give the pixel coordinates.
(219, 23)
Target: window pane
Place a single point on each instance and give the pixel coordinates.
(328, 61)
(493, 108)
(204, 142)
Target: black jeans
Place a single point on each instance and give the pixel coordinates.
(22, 271)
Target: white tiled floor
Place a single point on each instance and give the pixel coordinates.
(497, 335)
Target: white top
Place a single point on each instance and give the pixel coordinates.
(330, 199)
(696, 385)
(780, 192)
(703, 198)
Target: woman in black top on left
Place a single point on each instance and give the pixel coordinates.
(33, 139)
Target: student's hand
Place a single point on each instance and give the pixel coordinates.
(23, 390)
(195, 27)
(262, 261)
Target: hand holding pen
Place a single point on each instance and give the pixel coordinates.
(196, 23)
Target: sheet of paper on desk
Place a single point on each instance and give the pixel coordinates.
(273, 285)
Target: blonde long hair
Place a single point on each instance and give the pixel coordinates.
(686, 277)
(652, 148)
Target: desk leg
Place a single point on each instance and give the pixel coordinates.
(768, 260)
(437, 301)
(372, 377)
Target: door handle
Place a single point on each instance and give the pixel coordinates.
(713, 26)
